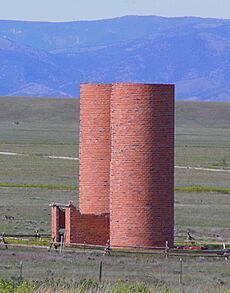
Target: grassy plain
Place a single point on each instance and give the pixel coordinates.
(199, 274)
(38, 128)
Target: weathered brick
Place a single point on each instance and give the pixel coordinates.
(57, 221)
(94, 148)
(88, 229)
(142, 161)
(126, 167)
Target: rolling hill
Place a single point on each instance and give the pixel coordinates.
(189, 114)
(52, 59)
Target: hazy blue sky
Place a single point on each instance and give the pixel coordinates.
(68, 10)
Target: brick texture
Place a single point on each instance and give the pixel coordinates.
(94, 148)
(71, 214)
(57, 221)
(126, 167)
(142, 165)
(89, 229)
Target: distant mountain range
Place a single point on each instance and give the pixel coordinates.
(52, 59)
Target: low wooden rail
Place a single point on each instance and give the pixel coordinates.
(36, 235)
(224, 252)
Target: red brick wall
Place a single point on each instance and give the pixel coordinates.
(71, 215)
(93, 229)
(57, 221)
(54, 221)
(94, 148)
(89, 229)
(142, 164)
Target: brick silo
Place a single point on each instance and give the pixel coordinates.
(94, 148)
(142, 165)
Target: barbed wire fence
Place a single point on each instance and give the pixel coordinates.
(103, 263)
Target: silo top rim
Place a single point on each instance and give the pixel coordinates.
(95, 84)
(128, 83)
(139, 83)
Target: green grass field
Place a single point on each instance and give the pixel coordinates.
(38, 128)
(199, 274)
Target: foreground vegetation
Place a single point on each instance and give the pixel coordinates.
(146, 272)
(61, 286)
(50, 286)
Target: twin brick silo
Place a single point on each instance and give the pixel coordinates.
(126, 166)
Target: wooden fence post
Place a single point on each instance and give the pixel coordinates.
(225, 252)
(181, 272)
(20, 272)
(3, 240)
(100, 271)
(61, 244)
(84, 247)
(166, 249)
